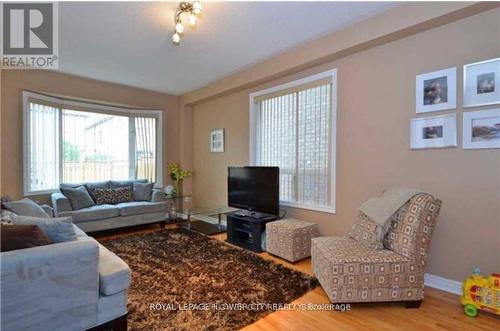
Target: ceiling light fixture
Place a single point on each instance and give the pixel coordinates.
(193, 9)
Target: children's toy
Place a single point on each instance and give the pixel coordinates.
(481, 293)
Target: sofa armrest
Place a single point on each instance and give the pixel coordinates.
(157, 195)
(42, 283)
(60, 203)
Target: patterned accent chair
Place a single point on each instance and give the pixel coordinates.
(351, 271)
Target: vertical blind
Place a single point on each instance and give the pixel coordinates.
(43, 158)
(293, 132)
(77, 145)
(145, 148)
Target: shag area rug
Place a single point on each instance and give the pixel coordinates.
(173, 269)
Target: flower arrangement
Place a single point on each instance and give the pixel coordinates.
(177, 174)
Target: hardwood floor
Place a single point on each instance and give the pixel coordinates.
(439, 311)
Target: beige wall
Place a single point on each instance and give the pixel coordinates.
(376, 100)
(14, 81)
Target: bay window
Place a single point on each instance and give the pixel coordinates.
(72, 142)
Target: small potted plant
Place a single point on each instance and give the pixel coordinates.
(178, 175)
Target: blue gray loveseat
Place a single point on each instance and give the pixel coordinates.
(146, 205)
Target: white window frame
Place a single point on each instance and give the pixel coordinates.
(92, 107)
(253, 107)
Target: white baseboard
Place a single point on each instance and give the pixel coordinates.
(444, 284)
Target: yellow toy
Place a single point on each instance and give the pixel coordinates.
(481, 293)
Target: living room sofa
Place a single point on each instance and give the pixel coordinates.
(73, 285)
(102, 217)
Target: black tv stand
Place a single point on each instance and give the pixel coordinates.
(251, 214)
(246, 231)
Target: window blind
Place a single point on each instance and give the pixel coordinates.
(43, 167)
(145, 148)
(293, 132)
(71, 142)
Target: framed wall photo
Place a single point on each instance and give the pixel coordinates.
(436, 91)
(481, 129)
(434, 132)
(482, 83)
(217, 141)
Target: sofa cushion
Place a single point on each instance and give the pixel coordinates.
(124, 183)
(78, 197)
(14, 237)
(140, 207)
(92, 213)
(25, 207)
(58, 229)
(114, 274)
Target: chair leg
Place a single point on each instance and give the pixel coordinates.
(120, 323)
(413, 304)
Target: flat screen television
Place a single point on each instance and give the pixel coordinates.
(254, 188)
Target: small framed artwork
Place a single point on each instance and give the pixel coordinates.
(481, 129)
(482, 83)
(434, 132)
(436, 91)
(217, 141)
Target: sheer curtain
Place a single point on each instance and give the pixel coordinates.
(293, 132)
(43, 166)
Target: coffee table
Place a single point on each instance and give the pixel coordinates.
(205, 220)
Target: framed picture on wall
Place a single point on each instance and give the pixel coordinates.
(217, 141)
(436, 91)
(434, 132)
(482, 83)
(481, 129)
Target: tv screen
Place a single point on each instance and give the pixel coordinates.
(254, 188)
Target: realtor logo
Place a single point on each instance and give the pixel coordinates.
(29, 35)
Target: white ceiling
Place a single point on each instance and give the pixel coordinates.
(130, 42)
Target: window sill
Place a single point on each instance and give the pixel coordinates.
(329, 210)
(43, 192)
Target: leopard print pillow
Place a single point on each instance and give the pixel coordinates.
(367, 232)
(113, 195)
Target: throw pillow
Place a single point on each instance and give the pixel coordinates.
(91, 187)
(143, 191)
(56, 229)
(25, 207)
(113, 195)
(78, 197)
(6, 216)
(367, 232)
(15, 237)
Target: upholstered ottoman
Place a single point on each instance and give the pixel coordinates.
(290, 238)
